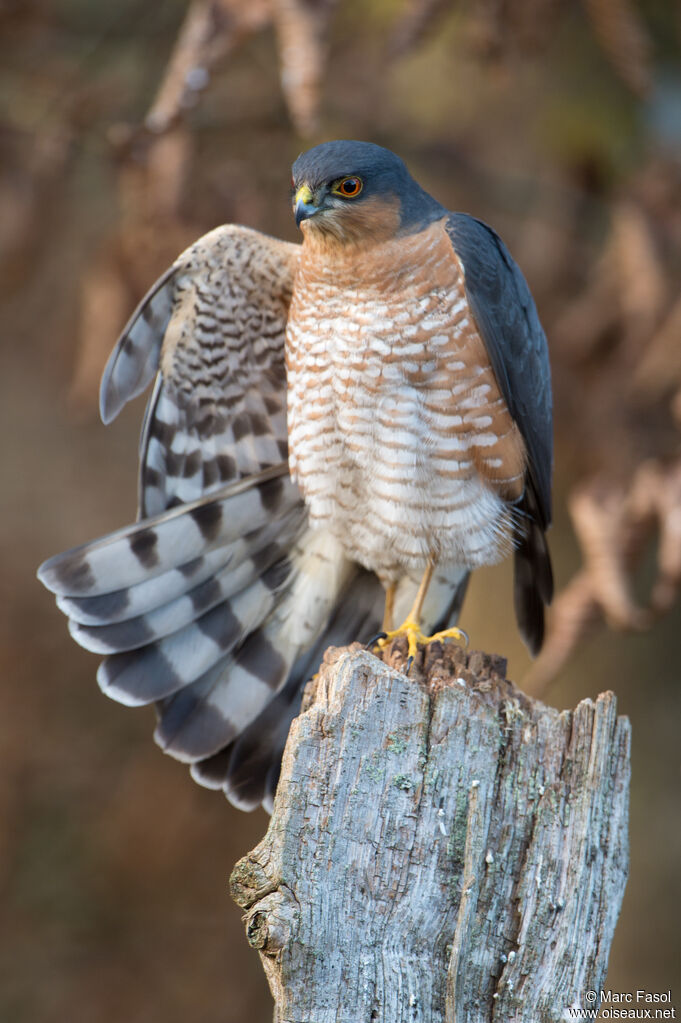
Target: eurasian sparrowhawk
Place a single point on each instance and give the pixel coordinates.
(330, 422)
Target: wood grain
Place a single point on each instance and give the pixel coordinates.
(441, 848)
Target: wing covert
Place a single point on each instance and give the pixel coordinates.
(213, 327)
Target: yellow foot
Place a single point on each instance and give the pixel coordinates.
(453, 633)
(416, 638)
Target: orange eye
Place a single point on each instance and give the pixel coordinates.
(349, 188)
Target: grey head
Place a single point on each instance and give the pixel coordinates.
(337, 184)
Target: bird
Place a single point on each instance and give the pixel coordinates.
(339, 432)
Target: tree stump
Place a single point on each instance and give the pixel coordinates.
(442, 847)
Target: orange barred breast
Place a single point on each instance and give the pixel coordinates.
(399, 437)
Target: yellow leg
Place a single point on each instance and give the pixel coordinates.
(389, 609)
(415, 613)
(411, 627)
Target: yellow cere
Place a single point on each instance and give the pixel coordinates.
(304, 194)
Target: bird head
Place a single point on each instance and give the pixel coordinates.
(357, 191)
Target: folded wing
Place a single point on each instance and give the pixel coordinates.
(507, 319)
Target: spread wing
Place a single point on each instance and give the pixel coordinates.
(213, 603)
(214, 326)
(508, 322)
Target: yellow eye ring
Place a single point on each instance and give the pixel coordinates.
(348, 188)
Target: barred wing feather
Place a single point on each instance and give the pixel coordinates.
(216, 604)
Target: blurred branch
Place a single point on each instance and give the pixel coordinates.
(626, 292)
(211, 30)
(659, 368)
(419, 21)
(302, 32)
(214, 29)
(502, 27)
(614, 528)
(624, 38)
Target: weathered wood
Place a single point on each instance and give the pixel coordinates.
(442, 848)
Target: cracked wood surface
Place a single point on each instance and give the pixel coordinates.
(441, 848)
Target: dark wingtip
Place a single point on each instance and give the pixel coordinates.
(532, 586)
(211, 772)
(66, 574)
(531, 626)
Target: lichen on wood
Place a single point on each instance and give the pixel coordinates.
(441, 848)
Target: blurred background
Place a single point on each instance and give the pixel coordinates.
(129, 129)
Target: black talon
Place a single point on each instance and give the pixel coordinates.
(410, 661)
(374, 641)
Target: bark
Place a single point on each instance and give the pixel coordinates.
(441, 848)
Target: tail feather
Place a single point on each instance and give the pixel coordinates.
(248, 771)
(204, 717)
(214, 638)
(190, 709)
(201, 582)
(174, 538)
(532, 575)
(131, 601)
(266, 569)
(219, 612)
(157, 669)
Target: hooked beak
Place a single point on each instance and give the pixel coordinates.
(303, 204)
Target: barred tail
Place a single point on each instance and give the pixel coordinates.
(217, 612)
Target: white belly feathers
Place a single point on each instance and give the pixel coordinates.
(389, 415)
